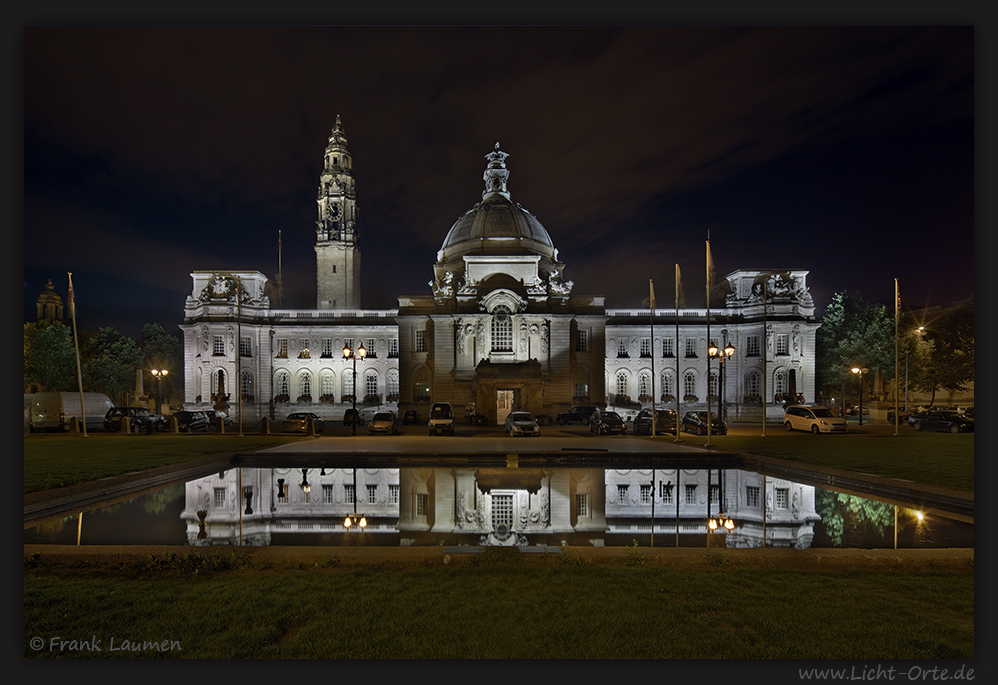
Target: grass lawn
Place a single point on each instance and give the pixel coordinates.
(226, 605)
(55, 461)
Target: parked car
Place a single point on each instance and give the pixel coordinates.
(297, 422)
(580, 413)
(411, 417)
(213, 416)
(665, 422)
(814, 419)
(383, 422)
(521, 423)
(52, 411)
(142, 419)
(696, 422)
(441, 419)
(352, 417)
(189, 421)
(607, 422)
(943, 421)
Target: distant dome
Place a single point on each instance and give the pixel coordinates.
(497, 225)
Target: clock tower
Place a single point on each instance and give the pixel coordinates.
(337, 250)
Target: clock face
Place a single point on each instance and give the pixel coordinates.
(335, 211)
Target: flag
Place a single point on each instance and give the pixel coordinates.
(679, 288)
(651, 294)
(72, 306)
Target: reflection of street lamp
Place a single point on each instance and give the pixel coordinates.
(859, 372)
(159, 373)
(354, 519)
(722, 356)
(349, 354)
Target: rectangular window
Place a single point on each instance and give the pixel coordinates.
(645, 347)
(371, 348)
(422, 499)
(782, 495)
(621, 494)
(715, 493)
(218, 346)
(419, 342)
(502, 511)
(282, 348)
(582, 340)
(393, 347)
(691, 494)
(665, 493)
(668, 350)
(348, 493)
(304, 353)
(372, 494)
(646, 494)
(581, 390)
(327, 347)
(282, 495)
(752, 495)
(348, 342)
(782, 343)
(622, 348)
(393, 494)
(752, 346)
(327, 493)
(581, 504)
(691, 347)
(219, 497)
(245, 346)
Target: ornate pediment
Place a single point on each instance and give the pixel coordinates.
(505, 297)
(221, 287)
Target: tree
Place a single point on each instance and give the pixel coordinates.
(854, 333)
(947, 356)
(49, 356)
(111, 362)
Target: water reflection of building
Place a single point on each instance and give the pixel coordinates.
(496, 506)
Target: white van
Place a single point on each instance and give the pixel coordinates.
(52, 411)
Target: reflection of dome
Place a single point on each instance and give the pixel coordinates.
(496, 225)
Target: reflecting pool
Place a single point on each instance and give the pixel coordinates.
(473, 506)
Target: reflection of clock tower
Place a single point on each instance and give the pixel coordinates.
(336, 246)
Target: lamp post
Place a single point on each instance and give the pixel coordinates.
(918, 331)
(159, 373)
(350, 354)
(722, 356)
(859, 372)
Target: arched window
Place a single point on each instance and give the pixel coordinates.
(621, 384)
(502, 329)
(393, 383)
(217, 382)
(644, 385)
(580, 386)
(689, 384)
(347, 377)
(780, 386)
(327, 384)
(246, 384)
(421, 387)
(371, 383)
(668, 386)
(713, 385)
(753, 382)
(305, 384)
(282, 384)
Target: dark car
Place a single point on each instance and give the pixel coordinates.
(665, 422)
(580, 413)
(943, 421)
(297, 422)
(214, 415)
(189, 421)
(607, 423)
(352, 417)
(411, 417)
(143, 419)
(696, 422)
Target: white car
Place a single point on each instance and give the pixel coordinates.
(521, 423)
(813, 419)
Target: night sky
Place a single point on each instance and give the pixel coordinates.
(152, 152)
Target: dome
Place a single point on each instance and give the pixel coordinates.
(497, 225)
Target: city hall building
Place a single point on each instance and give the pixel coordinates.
(500, 327)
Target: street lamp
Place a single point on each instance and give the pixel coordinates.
(859, 372)
(722, 356)
(350, 354)
(159, 373)
(918, 331)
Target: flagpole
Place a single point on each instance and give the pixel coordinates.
(679, 282)
(764, 348)
(708, 346)
(897, 323)
(651, 328)
(76, 343)
(239, 360)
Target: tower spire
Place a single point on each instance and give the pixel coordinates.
(336, 239)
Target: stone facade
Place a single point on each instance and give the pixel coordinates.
(499, 329)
